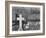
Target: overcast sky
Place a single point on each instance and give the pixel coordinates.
(26, 11)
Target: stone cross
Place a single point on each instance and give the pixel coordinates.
(20, 18)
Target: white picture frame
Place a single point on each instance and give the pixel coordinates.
(9, 6)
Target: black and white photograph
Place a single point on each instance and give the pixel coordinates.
(25, 18)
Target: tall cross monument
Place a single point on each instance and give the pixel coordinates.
(20, 18)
